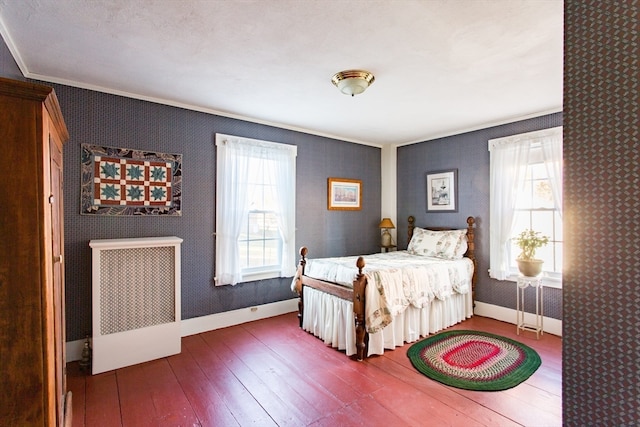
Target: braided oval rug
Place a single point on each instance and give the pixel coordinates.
(474, 360)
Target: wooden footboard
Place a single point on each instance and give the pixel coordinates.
(357, 293)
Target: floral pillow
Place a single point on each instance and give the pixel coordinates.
(446, 244)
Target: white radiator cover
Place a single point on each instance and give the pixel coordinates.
(136, 300)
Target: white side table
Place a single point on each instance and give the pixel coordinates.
(523, 283)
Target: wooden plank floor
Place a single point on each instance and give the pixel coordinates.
(271, 373)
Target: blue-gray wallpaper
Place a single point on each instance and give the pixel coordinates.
(109, 120)
(469, 153)
(600, 298)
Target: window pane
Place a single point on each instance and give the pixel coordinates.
(522, 222)
(271, 252)
(255, 196)
(262, 245)
(538, 170)
(270, 201)
(255, 257)
(542, 221)
(271, 226)
(545, 253)
(548, 223)
(542, 195)
(523, 200)
(256, 225)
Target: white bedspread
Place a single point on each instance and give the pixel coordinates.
(396, 281)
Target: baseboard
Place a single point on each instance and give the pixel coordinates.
(211, 322)
(552, 326)
(197, 325)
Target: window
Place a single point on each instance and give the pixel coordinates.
(526, 193)
(255, 210)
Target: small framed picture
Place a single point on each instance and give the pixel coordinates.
(442, 191)
(344, 194)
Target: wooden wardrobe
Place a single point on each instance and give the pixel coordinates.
(32, 324)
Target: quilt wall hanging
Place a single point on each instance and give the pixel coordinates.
(126, 182)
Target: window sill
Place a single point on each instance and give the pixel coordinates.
(263, 275)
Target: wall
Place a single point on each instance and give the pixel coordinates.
(467, 152)
(103, 119)
(601, 345)
(601, 288)
(8, 67)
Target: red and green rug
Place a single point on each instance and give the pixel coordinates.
(474, 360)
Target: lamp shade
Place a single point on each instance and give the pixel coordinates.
(386, 223)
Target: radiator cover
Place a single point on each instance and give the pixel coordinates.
(136, 300)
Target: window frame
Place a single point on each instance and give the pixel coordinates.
(532, 141)
(237, 155)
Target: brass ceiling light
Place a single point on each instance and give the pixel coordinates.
(352, 82)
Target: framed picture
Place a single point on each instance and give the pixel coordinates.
(442, 191)
(344, 194)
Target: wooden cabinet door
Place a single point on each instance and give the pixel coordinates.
(57, 233)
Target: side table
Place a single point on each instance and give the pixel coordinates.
(523, 283)
(388, 248)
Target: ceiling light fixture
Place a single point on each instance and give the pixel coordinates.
(352, 82)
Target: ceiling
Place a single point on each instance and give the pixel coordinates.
(441, 66)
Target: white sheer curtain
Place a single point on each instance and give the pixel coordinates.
(285, 195)
(507, 170)
(551, 144)
(235, 157)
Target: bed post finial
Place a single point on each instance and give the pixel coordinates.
(360, 264)
(412, 225)
(303, 257)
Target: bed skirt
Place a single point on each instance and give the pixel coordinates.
(331, 319)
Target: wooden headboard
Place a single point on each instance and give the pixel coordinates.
(471, 246)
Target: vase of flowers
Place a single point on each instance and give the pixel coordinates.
(528, 241)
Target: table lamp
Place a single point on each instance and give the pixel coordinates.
(385, 225)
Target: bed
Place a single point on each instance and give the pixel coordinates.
(366, 304)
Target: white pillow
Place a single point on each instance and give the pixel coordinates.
(446, 244)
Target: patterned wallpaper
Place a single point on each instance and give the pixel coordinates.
(8, 67)
(109, 120)
(602, 194)
(468, 152)
(601, 379)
